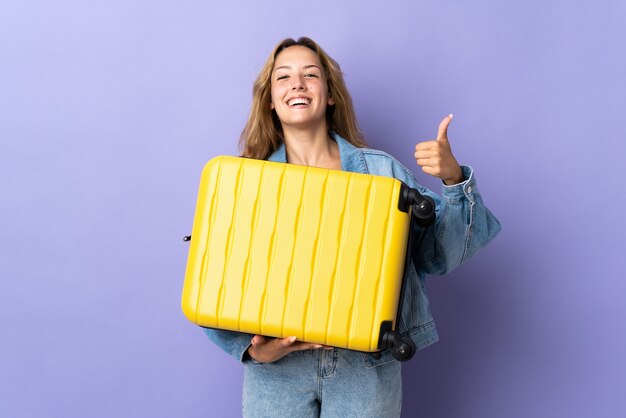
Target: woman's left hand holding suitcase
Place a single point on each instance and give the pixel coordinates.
(268, 350)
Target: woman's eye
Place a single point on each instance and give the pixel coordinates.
(311, 75)
(282, 77)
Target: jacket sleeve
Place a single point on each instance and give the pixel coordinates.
(232, 342)
(463, 224)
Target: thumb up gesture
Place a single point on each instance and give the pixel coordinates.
(435, 156)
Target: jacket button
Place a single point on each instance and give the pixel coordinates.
(376, 355)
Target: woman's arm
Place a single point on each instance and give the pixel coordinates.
(463, 224)
(234, 343)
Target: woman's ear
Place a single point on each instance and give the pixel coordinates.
(331, 101)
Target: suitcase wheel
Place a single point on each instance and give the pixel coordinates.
(404, 351)
(402, 348)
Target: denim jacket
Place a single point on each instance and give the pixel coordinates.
(463, 225)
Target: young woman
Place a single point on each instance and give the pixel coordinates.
(302, 114)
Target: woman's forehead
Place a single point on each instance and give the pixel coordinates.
(297, 56)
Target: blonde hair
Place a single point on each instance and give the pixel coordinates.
(263, 132)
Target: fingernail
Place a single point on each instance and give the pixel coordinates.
(317, 346)
(292, 339)
(451, 115)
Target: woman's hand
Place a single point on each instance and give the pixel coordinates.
(268, 350)
(435, 156)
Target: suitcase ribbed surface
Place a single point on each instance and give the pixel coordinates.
(279, 250)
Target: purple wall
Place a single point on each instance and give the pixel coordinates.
(108, 110)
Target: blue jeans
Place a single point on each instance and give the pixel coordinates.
(323, 383)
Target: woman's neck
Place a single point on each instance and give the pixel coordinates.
(312, 148)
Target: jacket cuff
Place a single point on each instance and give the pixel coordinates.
(467, 188)
(240, 351)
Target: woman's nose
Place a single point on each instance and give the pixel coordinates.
(298, 84)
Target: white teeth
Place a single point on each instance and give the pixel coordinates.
(298, 101)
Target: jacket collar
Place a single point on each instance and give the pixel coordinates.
(352, 158)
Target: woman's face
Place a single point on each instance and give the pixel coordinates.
(299, 90)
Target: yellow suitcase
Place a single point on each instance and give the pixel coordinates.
(280, 250)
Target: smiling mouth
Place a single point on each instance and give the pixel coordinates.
(298, 102)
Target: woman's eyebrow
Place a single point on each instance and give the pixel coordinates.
(287, 67)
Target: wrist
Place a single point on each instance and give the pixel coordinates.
(456, 179)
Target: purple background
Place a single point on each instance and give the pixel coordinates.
(109, 109)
